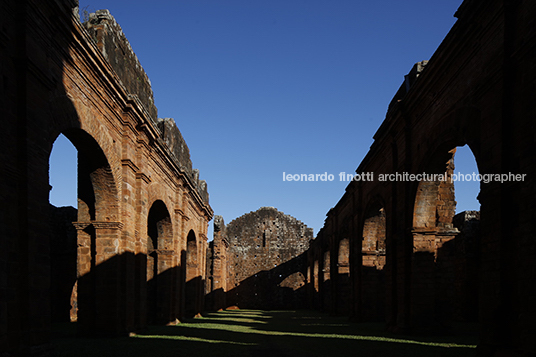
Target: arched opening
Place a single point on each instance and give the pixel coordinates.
(467, 242)
(316, 284)
(63, 174)
(373, 260)
(466, 180)
(159, 260)
(82, 270)
(326, 280)
(434, 211)
(63, 241)
(445, 259)
(343, 278)
(193, 280)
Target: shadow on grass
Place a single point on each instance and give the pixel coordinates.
(267, 333)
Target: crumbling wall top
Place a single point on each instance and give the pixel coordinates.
(115, 47)
(218, 223)
(269, 218)
(113, 44)
(172, 137)
(409, 80)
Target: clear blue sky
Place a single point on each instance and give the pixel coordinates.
(262, 87)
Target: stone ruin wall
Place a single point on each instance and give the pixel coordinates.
(115, 47)
(264, 261)
(107, 35)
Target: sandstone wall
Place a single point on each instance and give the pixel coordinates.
(265, 265)
(107, 34)
(476, 90)
(115, 47)
(142, 210)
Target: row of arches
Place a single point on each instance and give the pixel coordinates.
(92, 268)
(420, 277)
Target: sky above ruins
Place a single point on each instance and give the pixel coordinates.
(263, 88)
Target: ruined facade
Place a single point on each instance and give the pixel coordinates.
(133, 251)
(413, 264)
(389, 250)
(261, 261)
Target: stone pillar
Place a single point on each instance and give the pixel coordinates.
(164, 286)
(343, 277)
(326, 281)
(219, 265)
(99, 273)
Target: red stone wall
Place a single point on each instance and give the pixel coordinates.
(263, 264)
(476, 90)
(57, 80)
(373, 262)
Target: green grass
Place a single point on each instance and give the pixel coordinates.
(267, 333)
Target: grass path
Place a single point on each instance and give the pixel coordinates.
(267, 333)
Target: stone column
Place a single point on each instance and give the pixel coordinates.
(99, 274)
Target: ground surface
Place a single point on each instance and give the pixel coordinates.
(265, 333)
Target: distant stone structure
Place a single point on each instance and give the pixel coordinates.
(264, 264)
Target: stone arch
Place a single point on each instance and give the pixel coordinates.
(460, 126)
(157, 191)
(326, 265)
(97, 185)
(159, 228)
(98, 233)
(466, 247)
(434, 209)
(373, 258)
(72, 118)
(192, 276)
(343, 287)
(159, 263)
(343, 258)
(435, 259)
(191, 256)
(326, 278)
